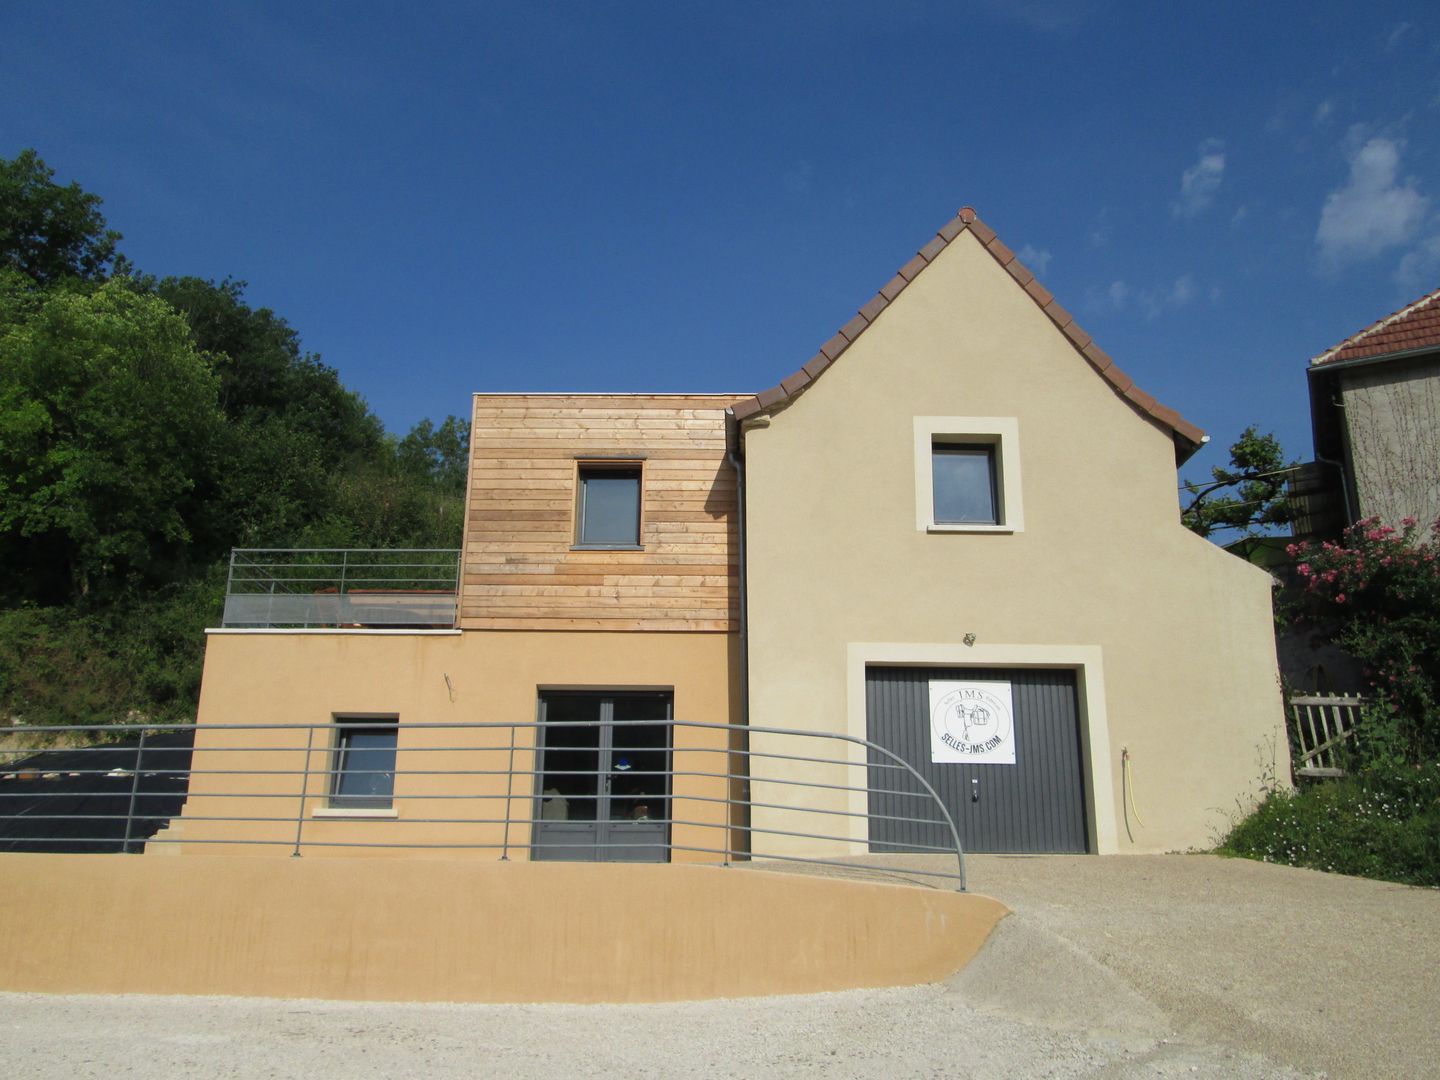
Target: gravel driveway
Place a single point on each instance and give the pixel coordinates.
(1163, 966)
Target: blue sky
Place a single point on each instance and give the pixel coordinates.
(445, 198)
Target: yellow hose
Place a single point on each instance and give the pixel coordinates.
(1130, 783)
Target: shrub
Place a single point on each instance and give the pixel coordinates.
(1382, 823)
(1381, 586)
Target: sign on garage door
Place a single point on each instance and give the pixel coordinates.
(1000, 746)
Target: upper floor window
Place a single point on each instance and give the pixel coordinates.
(607, 512)
(967, 474)
(364, 773)
(963, 484)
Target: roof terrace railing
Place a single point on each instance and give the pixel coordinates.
(342, 587)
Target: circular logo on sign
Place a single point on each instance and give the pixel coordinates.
(971, 720)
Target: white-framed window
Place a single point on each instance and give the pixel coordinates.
(363, 773)
(607, 504)
(967, 474)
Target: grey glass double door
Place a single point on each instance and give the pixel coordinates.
(603, 786)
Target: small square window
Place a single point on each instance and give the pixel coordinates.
(607, 513)
(964, 484)
(967, 474)
(364, 775)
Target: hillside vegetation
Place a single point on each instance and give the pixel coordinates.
(148, 425)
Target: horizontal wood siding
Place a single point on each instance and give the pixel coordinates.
(520, 572)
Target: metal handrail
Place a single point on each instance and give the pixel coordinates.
(338, 587)
(145, 799)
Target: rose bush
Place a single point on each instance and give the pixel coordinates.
(1381, 587)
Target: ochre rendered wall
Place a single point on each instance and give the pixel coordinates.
(1182, 628)
(308, 677)
(465, 930)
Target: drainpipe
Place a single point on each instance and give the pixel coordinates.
(1352, 515)
(738, 464)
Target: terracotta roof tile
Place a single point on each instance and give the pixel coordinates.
(854, 328)
(933, 248)
(1059, 316)
(1020, 272)
(1098, 357)
(1414, 327)
(796, 382)
(894, 287)
(773, 396)
(952, 228)
(835, 346)
(815, 365)
(967, 221)
(1003, 255)
(878, 303)
(911, 270)
(1038, 292)
(1075, 332)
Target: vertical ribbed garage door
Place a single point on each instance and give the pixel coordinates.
(1035, 805)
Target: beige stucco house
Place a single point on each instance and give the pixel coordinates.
(963, 528)
(952, 535)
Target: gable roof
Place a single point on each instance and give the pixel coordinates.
(1414, 327)
(1188, 437)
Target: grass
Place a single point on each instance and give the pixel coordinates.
(1381, 823)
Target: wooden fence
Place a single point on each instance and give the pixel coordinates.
(1325, 732)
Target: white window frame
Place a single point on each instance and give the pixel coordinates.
(1001, 432)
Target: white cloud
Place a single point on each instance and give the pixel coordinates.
(1419, 269)
(1372, 212)
(1398, 33)
(1038, 261)
(1323, 111)
(1199, 183)
(1151, 303)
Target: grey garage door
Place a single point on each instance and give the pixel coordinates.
(1036, 804)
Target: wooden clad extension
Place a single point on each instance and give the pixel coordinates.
(522, 569)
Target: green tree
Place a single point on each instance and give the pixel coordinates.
(49, 232)
(107, 419)
(1249, 496)
(440, 455)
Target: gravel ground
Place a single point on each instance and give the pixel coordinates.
(1164, 966)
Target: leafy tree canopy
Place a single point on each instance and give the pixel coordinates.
(107, 412)
(1249, 496)
(49, 232)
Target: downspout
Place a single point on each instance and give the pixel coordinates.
(738, 464)
(1351, 514)
(1331, 388)
(732, 454)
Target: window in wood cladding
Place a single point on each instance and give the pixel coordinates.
(607, 505)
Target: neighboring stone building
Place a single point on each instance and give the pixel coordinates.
(1375, 410)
